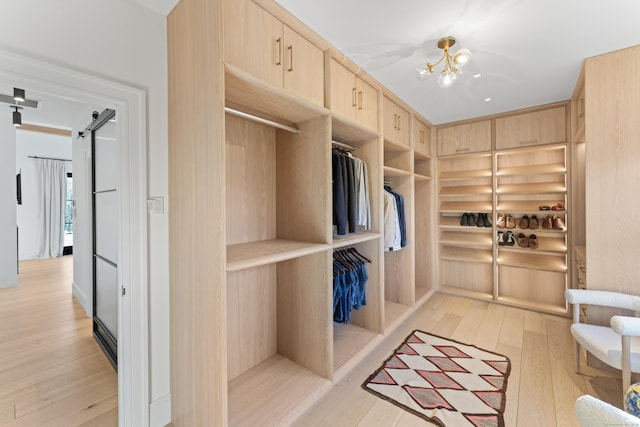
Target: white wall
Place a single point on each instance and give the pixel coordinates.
(8, 250)
(123, 41)
(43, 145)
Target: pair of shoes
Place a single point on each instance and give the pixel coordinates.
(529, 223)
(483, 220)
(505, 221)
(468, 219)
(553, 222)
(505, 239)
(558, 207)
(544, 208)
(528, 242)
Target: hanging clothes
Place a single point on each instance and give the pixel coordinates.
(351, 205)
(349, 283)
(395, 225)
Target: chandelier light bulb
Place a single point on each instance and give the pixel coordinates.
(422, 73)
(447, 79)
(462, 57)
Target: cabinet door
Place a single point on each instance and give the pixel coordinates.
(366, 104)
(535, 128)
(253, 40)
(343, 94)
(421, 138)
(396, 122)
(465, 138)
(303, 67)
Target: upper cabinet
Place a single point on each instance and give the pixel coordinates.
(465, 138)
(262, 45)
(396, 123)
(352, 97)
(547, 126)
(421, 137)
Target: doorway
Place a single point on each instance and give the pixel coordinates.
(129, 104)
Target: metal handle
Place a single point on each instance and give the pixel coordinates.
(461, 150)
(279, 49)
(290, 50)
(399, 121)
(581, 108)
(360, 100)
(395, 121)
(421, 138)
(353, 97)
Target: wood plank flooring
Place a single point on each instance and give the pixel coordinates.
(542, 386)
(52, 372)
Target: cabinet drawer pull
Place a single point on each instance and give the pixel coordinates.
(360, 100)
(353, 98)
(581, 108)
(462, 150)
(279, 50)
(399, 121)
(421, 136)
(290, 50)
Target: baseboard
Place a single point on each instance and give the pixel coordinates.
(160, 411)
(81, 297)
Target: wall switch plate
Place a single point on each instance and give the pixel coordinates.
(155, 205)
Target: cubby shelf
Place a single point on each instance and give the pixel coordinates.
(390, 171)
(465, 206)
(465, 190)
(532, 260)
(464, 239)
(248, 255)
(419, 177)
(466, 254)
(464, 174)
(552, 169)
(353, 238)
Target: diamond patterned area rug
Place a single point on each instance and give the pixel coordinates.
(446, 382)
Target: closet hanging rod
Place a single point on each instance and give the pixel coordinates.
(343, 145)
(49, 158)
(261, 120)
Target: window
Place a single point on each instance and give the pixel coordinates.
(68, 214)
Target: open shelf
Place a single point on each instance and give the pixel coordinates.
(556, 168)
(471, 240)
(532, 188)
(465, 206)
(464, 174)
(453, 222)
(419, 177)
(529, 207)
(420, 156)
(389, 171)
(343, 130)
(532, 305)
(532, 260)
(465, 190)
(249, 94)
(348, 341)
(546, 245)
(392, 147)
(353, 238)
(393, 312)
(247, 255)
(454, 253)
(277, 383)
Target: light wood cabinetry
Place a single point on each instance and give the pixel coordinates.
(351, 96)
(465, 251)
(265, 47)
(547, 126)
(533, 274)
(478, 261)
(464, 138)
(611, 173)
(396, 122)
(421, 138)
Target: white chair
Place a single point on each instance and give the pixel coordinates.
(617, 346)
(592, 412)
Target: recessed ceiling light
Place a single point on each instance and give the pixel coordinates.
(477, 76)
(487, 100)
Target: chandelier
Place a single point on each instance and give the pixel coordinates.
(452, 64)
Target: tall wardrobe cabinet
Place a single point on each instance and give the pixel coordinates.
(257, 103)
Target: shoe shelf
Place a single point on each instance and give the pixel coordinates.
(454, 253)
(465, 206)
(548, 169)
(465, 190)
(532, 188)
(529, 207)
(477, 240)
(453, 222)
(465, 174)
(534, 260)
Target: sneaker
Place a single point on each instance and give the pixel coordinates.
(510, 239)
(500, 239)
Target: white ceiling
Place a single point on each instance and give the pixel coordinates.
(529, 52)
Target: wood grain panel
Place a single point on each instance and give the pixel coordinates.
(305, 303)
(251, 318)
(196, 215)
(250, 164)
(546, 126)
(303, 67)
(464, 138)
(612, 172)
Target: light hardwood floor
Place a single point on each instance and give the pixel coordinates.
(52, 372)
(542, 386)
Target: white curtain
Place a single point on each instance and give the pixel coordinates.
(52, 190)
